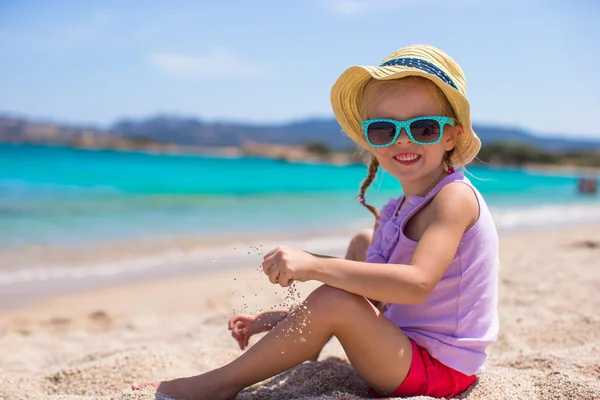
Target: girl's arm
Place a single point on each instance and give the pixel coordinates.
(453, 211)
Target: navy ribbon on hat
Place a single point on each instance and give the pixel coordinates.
(423, 66)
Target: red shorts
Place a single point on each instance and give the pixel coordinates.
(429, 377)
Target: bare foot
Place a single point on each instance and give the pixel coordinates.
(193, 388)
(154, 385)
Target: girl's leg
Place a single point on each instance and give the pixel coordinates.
(378, 350)
(359, 244)
(356, 251)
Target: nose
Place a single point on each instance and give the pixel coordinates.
(403, 137)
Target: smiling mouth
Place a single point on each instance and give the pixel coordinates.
(407, 158)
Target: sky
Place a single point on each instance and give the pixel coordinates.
(529, 64)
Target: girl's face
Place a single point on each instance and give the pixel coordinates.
(412, 164)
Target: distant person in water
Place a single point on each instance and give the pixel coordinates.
(433, 260)
(587, 185)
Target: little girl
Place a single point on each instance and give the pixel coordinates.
(433, 260)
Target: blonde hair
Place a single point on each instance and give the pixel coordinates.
(373, 93)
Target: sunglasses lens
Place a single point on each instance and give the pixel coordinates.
(381, 132)
(425, 130)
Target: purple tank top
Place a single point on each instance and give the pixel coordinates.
(459, 318)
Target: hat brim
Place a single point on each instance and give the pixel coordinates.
(346, 100)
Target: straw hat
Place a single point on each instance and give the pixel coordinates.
(417, 60)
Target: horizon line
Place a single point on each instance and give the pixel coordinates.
(108, 126)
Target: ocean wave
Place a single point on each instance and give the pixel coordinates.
(546, 216)
(230, 255)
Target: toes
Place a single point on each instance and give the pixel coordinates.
(141, 385)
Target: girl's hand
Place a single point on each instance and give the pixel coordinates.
(284, 265)
(243, 326)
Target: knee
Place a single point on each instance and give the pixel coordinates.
(363, 238)
(333, 301)
(359, 245)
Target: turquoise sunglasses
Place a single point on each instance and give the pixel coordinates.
(420, 130)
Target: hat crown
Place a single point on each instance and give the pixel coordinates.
(436, 57)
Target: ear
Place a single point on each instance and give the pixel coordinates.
(451, 139)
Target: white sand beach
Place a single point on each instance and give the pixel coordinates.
(93, 344)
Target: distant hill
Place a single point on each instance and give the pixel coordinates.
(189, 131)
(194, 132)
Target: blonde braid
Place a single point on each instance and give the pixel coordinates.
(373, 167)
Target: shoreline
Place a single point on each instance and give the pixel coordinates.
(96, 266)
(178, 260)
(508, 218)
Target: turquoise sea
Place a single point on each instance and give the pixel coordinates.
(67, 196)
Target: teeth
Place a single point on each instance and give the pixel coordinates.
(407, 157)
